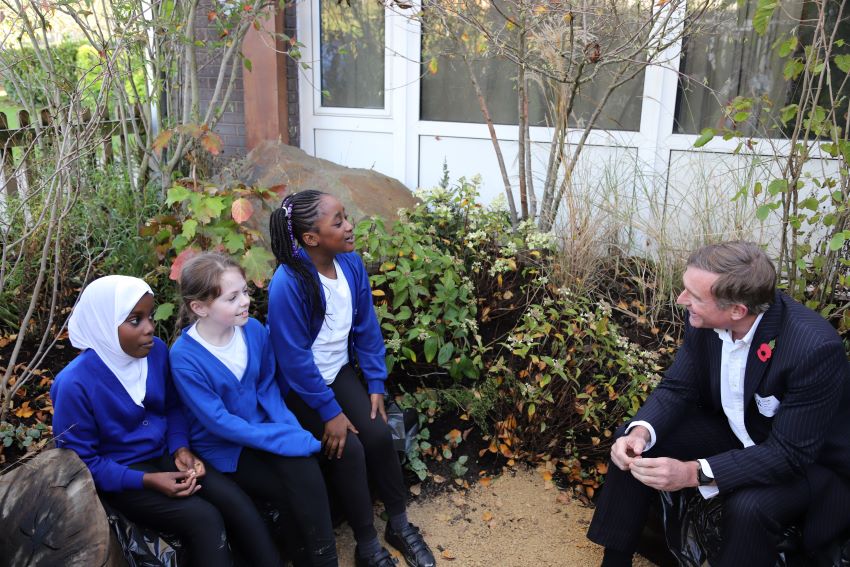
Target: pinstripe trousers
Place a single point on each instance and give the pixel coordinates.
(753, 517)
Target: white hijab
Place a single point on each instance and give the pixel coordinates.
(103, 306)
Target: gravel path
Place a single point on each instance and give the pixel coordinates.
(516, 520)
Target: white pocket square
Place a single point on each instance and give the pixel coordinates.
(767, 406)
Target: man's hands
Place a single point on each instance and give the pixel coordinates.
(336, 431)
(664, 473)
(629, 447)
(660, 473)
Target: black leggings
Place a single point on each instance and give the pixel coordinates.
(370, 450)
(203, 520)
(296, 488)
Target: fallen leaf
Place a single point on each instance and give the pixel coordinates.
(485, 481)
(487, 516)
(439, 479)
(448, 555)
(416, 489)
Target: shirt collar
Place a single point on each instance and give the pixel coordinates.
(726, 335)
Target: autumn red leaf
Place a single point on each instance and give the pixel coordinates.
(211, 15)
(161, 141)
(177, 266)
(212, 143)
(241, 210)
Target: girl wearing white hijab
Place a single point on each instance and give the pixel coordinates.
(115, 406)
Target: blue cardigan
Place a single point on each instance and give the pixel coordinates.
(94, 416)
(226, 414)
(294, 325)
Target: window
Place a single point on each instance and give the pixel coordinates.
(447, 92)
(725, 58)
(352, 54)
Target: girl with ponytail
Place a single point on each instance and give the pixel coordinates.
(321, 321)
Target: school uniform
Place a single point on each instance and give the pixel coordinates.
(122, 416)
(314, 355)
(240, 425)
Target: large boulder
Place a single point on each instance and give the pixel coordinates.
(363, 192)
(50, 515)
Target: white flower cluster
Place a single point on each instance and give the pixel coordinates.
(536, 240)
(394, 344)
(367, 257)
(499, 266)
(509, 250)
(475, 239)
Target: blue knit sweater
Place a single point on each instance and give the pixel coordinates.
(226, 414)
(294, 325)
(95, 417)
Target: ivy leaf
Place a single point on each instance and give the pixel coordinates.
(234, 242)
(705, 137)
(241, 210)
(177, 194)
(190, 227)
(177, 265)
(431, 344)
(445, 353)
(257, 262)
(207, 208)
(764, 12)
(163, 311)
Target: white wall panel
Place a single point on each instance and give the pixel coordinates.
(368, 150)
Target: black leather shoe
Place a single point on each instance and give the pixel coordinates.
(412, 546)
(380, 559)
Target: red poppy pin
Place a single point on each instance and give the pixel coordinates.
(765, 351)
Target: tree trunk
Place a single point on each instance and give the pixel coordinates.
(50, 515)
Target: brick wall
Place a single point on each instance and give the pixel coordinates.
(231, 127)
(292, 72)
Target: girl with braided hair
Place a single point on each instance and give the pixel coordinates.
(321, 320)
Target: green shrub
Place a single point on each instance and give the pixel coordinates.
(31, 75)
(468, 309)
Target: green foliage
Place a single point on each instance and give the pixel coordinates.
(32, 76)
(467, 305)
(806, 199)
(22, 437)
(205, 217)
(98, 238)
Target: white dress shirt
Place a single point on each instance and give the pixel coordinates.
(733, 365)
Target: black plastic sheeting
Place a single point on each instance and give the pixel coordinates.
(692, 529)
(144, 547)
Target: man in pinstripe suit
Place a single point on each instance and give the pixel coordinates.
(755, 408)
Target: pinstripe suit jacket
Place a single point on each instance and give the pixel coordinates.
(808, 373)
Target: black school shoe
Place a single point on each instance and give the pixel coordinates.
(380, 559)
(412, 546)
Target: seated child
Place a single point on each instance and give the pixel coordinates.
(320, 317)
(224, 369)
(115, 406)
